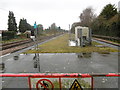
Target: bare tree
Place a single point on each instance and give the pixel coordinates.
(53, 28)
(87, 16)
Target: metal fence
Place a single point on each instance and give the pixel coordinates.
(59, 76)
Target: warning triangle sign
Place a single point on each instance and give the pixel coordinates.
(76, 86)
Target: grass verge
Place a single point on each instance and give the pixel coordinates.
(60, 45)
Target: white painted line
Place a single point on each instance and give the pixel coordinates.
(5, 55)
(9, 59)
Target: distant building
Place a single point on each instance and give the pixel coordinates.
(28, 33)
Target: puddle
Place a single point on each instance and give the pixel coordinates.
(72, 43)
(67, 63)
(84, 55)
(63, 62)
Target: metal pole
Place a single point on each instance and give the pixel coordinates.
(38, 60)
(60, 83)
(81, 38)
(35, 45)
(90, 36)
(92, 83)
(69, 33)
(36, 48)
(29, 82)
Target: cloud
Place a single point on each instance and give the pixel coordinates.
(46, 12)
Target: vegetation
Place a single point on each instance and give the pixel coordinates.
(7, 35)
(23, 25)
(7, 39)
(13, 34)
(109, 11)
(107, 23)
(86, 17)
(12, 25)
(53, 29)
(60, 45)
(40, 29)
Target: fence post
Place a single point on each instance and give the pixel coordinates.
(92, 83)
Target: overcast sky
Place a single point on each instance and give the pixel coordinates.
(46, 12)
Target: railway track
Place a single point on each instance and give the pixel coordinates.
(18, 43)
(109, 42)
(107, 38)
(15, 46)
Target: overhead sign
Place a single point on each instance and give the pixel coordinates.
(35, 26)
(76, 86)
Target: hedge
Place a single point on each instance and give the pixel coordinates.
(6, 35)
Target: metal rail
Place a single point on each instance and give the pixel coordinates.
(107, 37)
(18, 43)
(109, 42)
(55, 75)
(13, 44)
